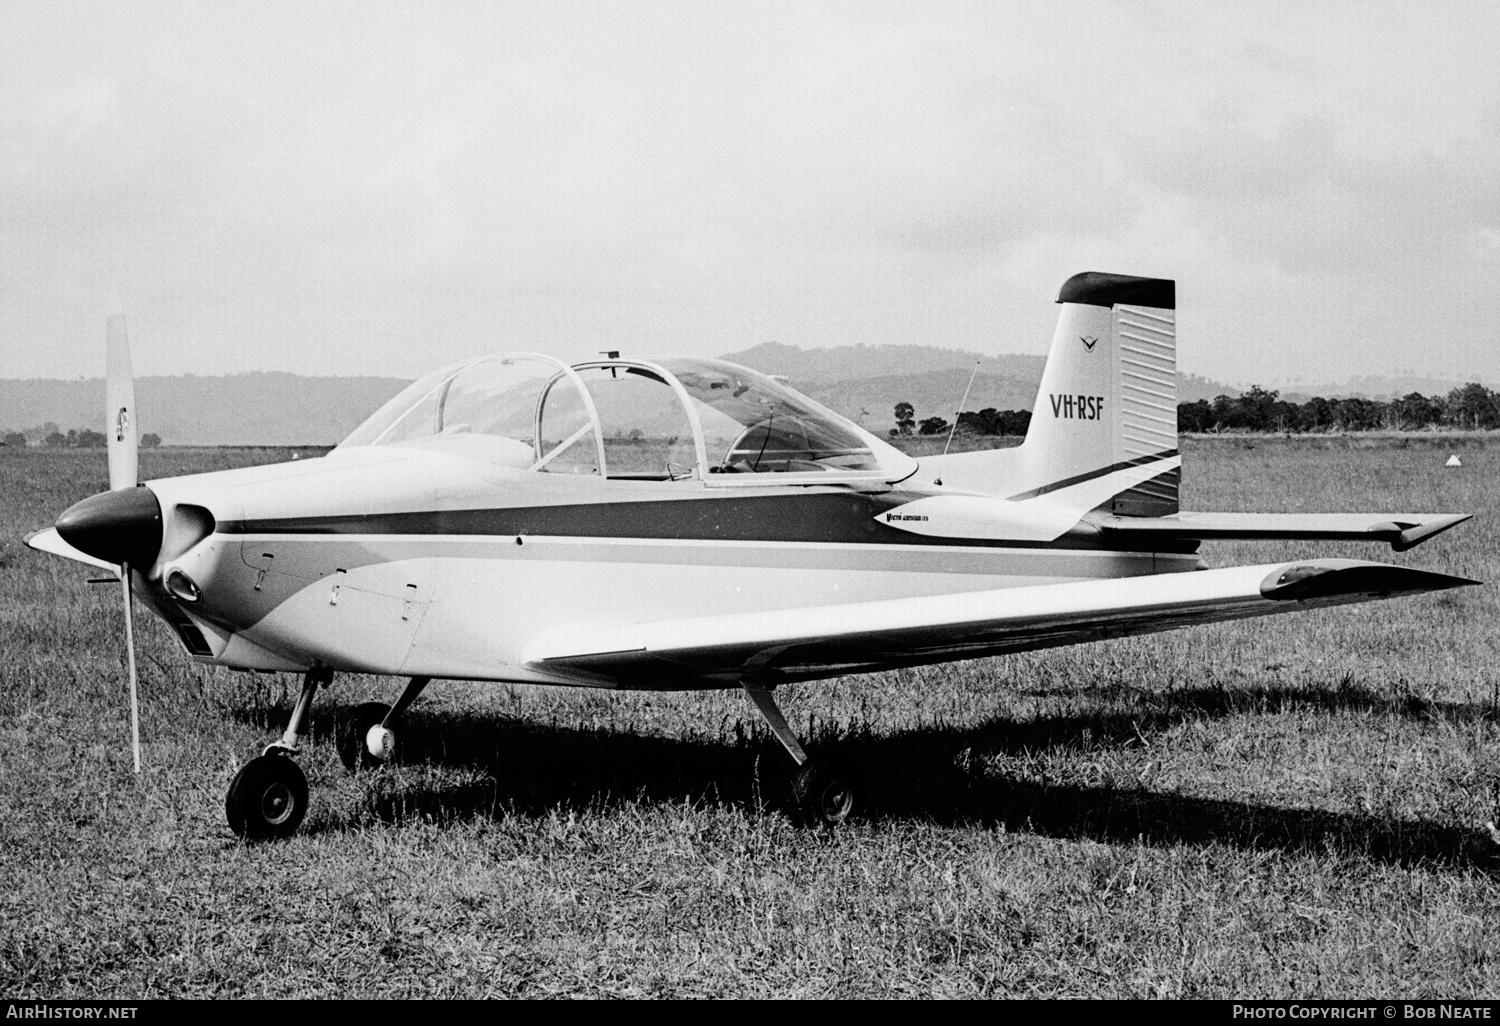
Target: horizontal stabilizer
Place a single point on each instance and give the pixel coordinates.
(825, 641)
(50, 541)
(1402, 530)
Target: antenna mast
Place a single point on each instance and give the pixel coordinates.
(960, 409)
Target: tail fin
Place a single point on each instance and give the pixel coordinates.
(1104, 427)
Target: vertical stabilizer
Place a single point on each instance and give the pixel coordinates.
(1107, 404)
(1103, 430)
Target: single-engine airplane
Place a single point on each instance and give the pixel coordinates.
(689, 523)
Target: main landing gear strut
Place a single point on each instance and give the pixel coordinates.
(824, 791)
(268, 797)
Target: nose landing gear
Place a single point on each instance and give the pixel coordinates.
(267, 799)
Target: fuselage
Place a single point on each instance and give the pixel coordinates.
(409, 561)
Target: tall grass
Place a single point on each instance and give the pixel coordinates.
(1286, 807)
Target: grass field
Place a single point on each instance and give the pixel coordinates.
(1286, 807)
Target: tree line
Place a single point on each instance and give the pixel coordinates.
(1469, 407)
(988, 421)
(50, 436)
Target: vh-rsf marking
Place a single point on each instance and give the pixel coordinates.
(1081, 407)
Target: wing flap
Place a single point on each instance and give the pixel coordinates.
(1402, 530)
(822, 641)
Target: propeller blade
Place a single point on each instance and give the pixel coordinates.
(119, 401)
(135, 709)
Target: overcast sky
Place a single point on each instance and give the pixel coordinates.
(377, 188)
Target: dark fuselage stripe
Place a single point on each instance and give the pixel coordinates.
(821, 518)
(1068, 482)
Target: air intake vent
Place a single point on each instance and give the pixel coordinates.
(187, 632)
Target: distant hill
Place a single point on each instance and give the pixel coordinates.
(851, 363)
(272, 408)
(865, 383)
(264, 408)
(1373, 386)
(1191, 388)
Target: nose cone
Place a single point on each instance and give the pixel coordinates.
(118, 527)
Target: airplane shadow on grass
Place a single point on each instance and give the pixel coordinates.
(933, 774)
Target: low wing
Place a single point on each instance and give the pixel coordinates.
(50, 541)
(1402, 530)
(826, 641)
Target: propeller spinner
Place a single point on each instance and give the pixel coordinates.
(118, 527)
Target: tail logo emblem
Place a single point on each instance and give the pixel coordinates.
(1089, 342)
(122, 423)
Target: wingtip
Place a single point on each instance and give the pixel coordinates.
(1327, 578)
(1414, 536)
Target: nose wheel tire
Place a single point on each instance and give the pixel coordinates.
(267, 799)
(362, 742)
(824, 792)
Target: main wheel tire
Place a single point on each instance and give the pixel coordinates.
(824, 792)
(267, 799)
(353, 731)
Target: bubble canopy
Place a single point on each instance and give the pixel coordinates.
(679, 419)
